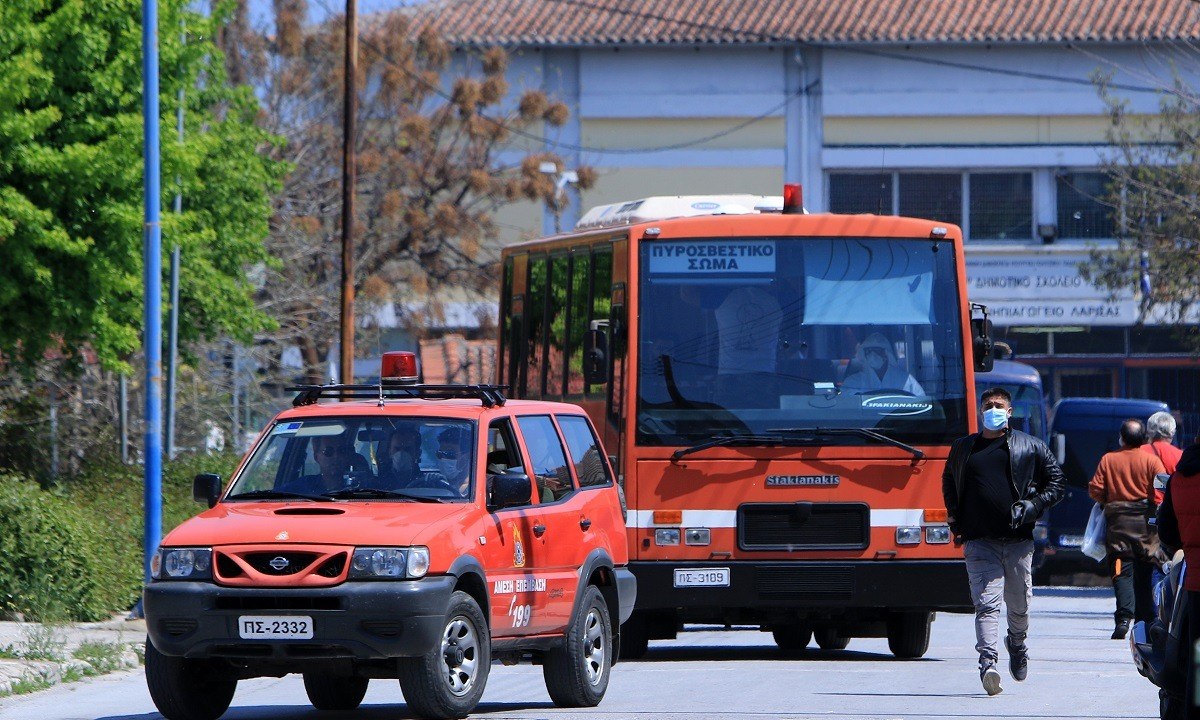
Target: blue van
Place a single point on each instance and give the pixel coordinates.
(1090, 428)
(1029, 415)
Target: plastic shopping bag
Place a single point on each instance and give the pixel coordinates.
(1093, 537)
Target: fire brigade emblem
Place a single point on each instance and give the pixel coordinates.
(518, 548)
(282, 536)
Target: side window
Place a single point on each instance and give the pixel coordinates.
(535, 319)
(502, 451)
(581, 299)
(556, 340)
(590, 467)
(551, 474)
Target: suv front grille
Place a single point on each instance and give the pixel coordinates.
(804, 526)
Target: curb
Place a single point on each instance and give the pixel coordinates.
(40, 656)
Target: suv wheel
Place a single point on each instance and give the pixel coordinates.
(334, 692)
(187, 689)
(448, 681)
(577, 672)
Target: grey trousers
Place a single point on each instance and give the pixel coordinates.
(995, 568)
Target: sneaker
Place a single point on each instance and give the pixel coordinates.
(1018, 660)
(991, 679)
(1121, 630)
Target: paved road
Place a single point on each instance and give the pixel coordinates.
(1075, 672)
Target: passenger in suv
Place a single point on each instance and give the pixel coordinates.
(368, 579)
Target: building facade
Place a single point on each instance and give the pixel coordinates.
(984, 113)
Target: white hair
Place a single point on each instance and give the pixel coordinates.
(1161, 425)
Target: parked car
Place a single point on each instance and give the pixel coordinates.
(1090, 427)
(1160, 647)
(396, 531)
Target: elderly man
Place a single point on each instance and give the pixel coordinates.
(1124, 486)
(1160, 431)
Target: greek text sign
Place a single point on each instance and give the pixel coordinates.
(1042, 288)
(713, 256)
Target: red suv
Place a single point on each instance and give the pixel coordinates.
(399, 531)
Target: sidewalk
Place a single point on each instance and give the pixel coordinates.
(34, 656)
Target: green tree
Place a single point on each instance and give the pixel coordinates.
(1155, 196)
(71, 178)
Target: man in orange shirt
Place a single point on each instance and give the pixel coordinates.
(1124, 485)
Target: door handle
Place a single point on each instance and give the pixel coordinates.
(585, 524)
(539, 530)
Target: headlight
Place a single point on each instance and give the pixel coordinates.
(382, 563)
(666, 536)
(182, 564)
(937, 535)
(908, 535)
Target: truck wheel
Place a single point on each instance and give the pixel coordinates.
(792, 638)
(334, 692)
(577, 671)
(908, 634)
(448, 681)
(187, 689)
(635, 637)
(828, 639)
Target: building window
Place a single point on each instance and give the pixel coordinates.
(1001, 206)
(1082, 210)
(854, 193)
(936, 196)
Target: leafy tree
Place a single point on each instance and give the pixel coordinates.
(1155, 196)
(440, 147)
(71, 178)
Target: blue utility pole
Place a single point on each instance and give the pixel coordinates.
(152, 281)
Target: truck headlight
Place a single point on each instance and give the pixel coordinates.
(937, 535)
(908, 535)
(182, 564)
(384, 563)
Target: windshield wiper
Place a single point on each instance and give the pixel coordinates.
(719, 440)
(277, 494)
(860, 432)
(368, 492)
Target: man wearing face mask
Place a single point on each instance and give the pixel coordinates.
(880, 370)
(403, 453)
(996, 484)
(454, 458)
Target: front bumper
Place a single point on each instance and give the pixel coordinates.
(356, 620)
(753, 585)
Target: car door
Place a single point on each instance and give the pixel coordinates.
(596, 510)
(511, 560)
(552, 519)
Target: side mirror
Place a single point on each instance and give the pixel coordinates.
(983, 349)
(509, 489)
(1059, 442)
(595, 356)
(206, 488)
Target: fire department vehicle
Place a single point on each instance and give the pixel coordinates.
(780, 390)
(396, 531)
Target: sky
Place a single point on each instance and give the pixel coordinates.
(318, 10)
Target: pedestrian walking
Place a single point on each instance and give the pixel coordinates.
(996, 484)
(1124, 486)
(1160, 432)
(1179, 527)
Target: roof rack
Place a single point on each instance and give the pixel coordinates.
(489, 395)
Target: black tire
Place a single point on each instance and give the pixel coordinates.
(187, 689)
(792, 638)
(828, 639)
(577, 672)
(908, 634)
(635, 637)
(334, 692)
(448, 681)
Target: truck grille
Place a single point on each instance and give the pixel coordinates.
(804, 526)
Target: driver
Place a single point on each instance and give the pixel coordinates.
(454, 458)
(334, 456)
(880, 370)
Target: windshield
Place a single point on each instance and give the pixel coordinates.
(1028, 415)
(355, 457)
(742, 335)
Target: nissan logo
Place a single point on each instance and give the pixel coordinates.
(279, 563)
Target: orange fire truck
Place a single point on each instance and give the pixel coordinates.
(778, 391)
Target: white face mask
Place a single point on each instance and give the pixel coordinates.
(875, 362)
(454, 469)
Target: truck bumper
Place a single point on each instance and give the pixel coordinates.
(355, 620)
(753, 585)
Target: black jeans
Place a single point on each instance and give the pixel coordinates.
(1135, 599)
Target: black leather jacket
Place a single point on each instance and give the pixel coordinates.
(1033, 473)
